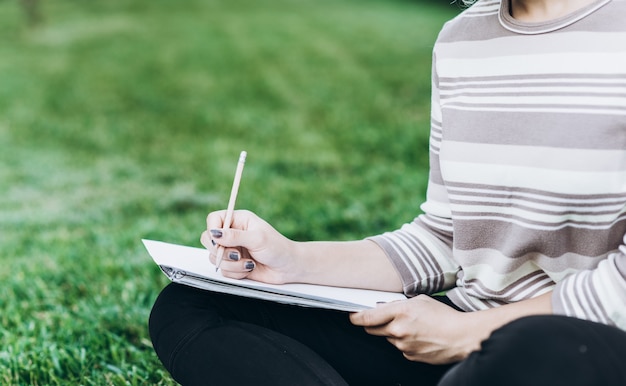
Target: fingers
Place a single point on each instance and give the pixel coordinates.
(215, 220)
(236, 263)
(240, 234)
(207, 241)
(233, 264)
(235, 267)
(232, 238)
(241, 219)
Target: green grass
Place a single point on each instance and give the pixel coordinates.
(122, 120)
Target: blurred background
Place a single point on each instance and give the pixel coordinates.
(122, 120)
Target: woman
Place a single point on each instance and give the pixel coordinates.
(523, 226)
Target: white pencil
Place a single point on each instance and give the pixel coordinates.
(231, 204)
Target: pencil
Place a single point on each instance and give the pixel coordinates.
(231, 204)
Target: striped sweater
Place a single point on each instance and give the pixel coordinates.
(527, 189)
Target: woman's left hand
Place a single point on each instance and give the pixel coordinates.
(423, 329)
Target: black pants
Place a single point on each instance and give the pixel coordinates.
(205, 338)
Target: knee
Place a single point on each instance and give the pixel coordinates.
(177, 311)
(525, 334)
(519, 353)
(168, 306)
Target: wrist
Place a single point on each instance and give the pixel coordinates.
(309, 262)
(295, 271)
(480, 325)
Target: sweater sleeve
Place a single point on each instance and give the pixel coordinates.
(598, 295)
(421, 251)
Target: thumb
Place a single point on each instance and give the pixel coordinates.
(378, 316)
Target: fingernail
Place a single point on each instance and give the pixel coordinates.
(249, 265)
(216, 233)
(213, 242)
(233, 256)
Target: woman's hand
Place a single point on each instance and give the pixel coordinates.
(423, 329)
(253, 248)
(427, 330)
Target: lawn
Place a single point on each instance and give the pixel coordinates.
(122, 120)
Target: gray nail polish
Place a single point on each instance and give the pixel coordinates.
(216, 233)
(249, 265)
(234, 256)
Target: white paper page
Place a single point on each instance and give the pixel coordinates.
(196, 261)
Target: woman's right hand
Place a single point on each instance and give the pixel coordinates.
(253, 249)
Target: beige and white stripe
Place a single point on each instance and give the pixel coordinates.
(527, 189)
